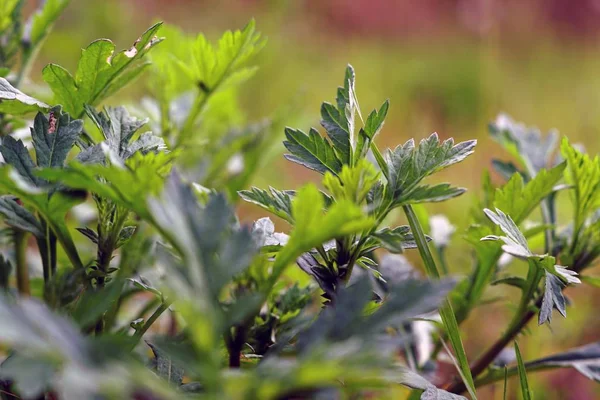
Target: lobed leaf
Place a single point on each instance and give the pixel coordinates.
(54, 137)
(13, 101)
(408, 165)
(100, 71)
(279, 202)
(312, 151)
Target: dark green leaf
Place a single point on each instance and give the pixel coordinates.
(165, 368)
(94, 303)
(396, 240)
(15, 154)
(19, 217)
(53, 137)
(279, 202)
(90, 234)
(408, 165)
(312, 150)
(512, 281)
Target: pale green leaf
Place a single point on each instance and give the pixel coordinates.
(13, 101)
(42, 20)
(518, 199)
(100, 72)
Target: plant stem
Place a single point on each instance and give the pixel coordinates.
(162, 308)
(22, 269)
(457, 386)
(421, 241)
(235, 343)
(446, 312)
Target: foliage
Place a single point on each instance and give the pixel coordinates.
(252, 313)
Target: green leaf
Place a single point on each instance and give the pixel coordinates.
(408, 165)
(11, 28)
(453, 331)
(99, 72)
(218, 67)
(13, 101)
(522, 375)
(366, 135)
(446, 311)
(518, 199)
(312, 151)
(583, 173)
(42, 20)
(591, 280)
(165, 368)
(52, 209)
(353, 183)
(15, 154)
(7, 8)
(396, 240)
(213, 249)
(339, 121)
(313, 228)
(94, 303)
(118, 129)
(512, 281)
(19, 217)
(53, 137)
(375, 120)
(142, 175)
(516, 245)
(278, 202)
(524, 143)
(436, 193)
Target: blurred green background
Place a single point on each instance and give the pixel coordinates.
(447, 66)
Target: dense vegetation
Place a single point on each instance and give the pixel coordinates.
(240, 324)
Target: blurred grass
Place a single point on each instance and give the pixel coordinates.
(453, 83)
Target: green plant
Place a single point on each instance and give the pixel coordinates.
(242, 322)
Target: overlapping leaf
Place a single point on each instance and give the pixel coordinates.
(13, 101)
(313, 227)
(408, 165)
(279, 202)
(525, 143)
(42, 20)
(312, 151)
(516, 245)
(119, 128)
(99, 72)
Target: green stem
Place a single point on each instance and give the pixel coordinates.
(446, 312)
(22, 270)
(199, 104)
(442, 258)
(150, 321)
(421, 240)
